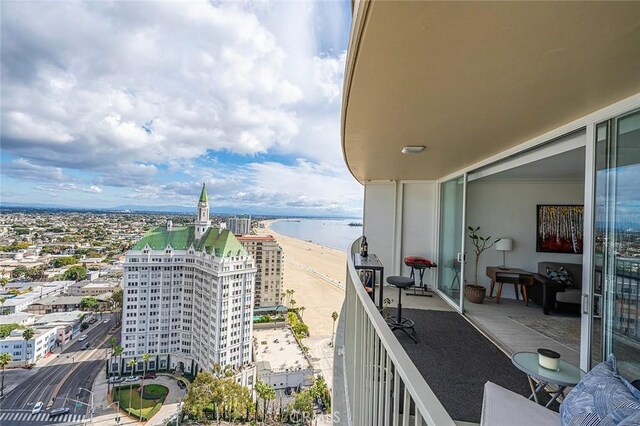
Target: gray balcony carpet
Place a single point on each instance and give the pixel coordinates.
(456, 361)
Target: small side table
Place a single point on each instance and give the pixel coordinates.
(373, 264)
(517, 277)
(567, 375)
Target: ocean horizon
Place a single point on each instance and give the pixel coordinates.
(332, 233)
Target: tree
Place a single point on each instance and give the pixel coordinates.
(6, 329)
(145, 360)
(304, 403)
(75, 273)
(63, 261)
(266, 393)
(27, 335)
(334, 317)
(89, 303)
(117, 353)
(5, 359)
(2, 300)
(19, 271)
(116, 303)
(36, 273)
(292, 302)
(301, 310)
(230, 399)
(131, 364)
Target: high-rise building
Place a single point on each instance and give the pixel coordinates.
(188, 298)
(239, 225)
(268, 260)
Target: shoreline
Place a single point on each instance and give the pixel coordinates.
(316, 274)
(268, 223)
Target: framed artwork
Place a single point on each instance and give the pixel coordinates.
(559, 228)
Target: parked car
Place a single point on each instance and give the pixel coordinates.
(58, 411)
(37, 408)
(116, 379)
(132, 379)
(83, 337)
(85, 346)
(106, 320)
(287, 391)
(181, 384)
(150, 375)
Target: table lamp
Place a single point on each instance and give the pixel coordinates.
(504, 245)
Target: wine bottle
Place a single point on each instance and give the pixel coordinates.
(364, 248)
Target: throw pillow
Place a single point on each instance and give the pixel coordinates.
(561, 276)
(601, 398)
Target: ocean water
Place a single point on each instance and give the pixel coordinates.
(334, 233)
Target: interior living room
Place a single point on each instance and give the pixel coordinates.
(522, 207)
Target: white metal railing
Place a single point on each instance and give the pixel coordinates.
(383, 386)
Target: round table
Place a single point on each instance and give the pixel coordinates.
(567, 375)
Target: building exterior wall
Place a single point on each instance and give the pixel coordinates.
(239, 225)
(267, 255)
(191, 305)
(43, 342)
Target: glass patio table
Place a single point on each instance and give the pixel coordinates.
(566, 375)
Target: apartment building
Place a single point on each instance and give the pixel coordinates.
(188, 298)
(267, 255)
(43, 341)
(92, 288)
(239, 225)
(481, 114)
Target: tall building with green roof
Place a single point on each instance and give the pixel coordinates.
(188, 299)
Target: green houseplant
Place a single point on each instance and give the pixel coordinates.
(475, 292)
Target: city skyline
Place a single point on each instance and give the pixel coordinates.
(101, 108)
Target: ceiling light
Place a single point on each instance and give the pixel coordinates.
(414, 149)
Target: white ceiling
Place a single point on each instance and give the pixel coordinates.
(472, 79)
(568, 166)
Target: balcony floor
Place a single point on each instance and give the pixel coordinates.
(510, 327)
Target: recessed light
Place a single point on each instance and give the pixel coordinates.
(413, 149)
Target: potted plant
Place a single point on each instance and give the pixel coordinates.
(474, 292)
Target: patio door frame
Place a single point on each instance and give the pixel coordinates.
(464, 176)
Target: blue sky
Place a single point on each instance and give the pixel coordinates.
(138, 103)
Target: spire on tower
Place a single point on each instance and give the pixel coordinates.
(203, 194)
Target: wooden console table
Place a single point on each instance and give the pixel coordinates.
(518, 277)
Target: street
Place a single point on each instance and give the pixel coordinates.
(58, 383)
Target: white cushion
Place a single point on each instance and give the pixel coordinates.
(501, 407)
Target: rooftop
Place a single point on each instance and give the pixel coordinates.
(281, 352)
(220, 242)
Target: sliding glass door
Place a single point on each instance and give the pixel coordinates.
(451, 251)
(615, 313)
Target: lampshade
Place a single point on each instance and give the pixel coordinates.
(505, 244)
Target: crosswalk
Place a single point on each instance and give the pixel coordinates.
(10, 417)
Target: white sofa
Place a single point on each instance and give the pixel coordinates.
(501, 407)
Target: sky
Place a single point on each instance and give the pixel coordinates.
(108, 104)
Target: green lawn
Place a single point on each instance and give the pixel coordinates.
(141, 407)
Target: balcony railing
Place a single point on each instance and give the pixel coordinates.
(383, 386)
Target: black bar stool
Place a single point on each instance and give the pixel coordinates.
(400, 322)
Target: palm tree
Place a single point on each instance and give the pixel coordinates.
(2, 300)
(334, 317)
(131, 364)
(145, 360)
(292, 303)
(5, 359)
(27, 335)
(266, 393)
(117, 353)
(301, 310)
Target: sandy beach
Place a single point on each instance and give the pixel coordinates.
(317, 276)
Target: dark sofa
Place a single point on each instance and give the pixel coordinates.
(552, 295)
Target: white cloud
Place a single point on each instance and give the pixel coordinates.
(124, 93)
